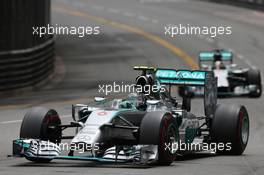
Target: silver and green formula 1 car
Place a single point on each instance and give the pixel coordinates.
(141, 129)
(232, 81)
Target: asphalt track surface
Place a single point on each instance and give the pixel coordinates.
(132, 32)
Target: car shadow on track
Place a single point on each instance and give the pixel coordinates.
(195, 156)
(81, 164)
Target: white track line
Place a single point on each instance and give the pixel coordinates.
(19, 121)
(11, 121)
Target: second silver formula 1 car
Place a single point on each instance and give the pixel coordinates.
(232, 81)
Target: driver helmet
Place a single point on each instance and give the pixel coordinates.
(218, 65)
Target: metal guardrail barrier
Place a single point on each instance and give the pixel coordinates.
(25, 59)
(26, 68)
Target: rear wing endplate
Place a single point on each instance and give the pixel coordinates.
(210, 95)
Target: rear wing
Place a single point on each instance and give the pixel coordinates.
(181, 77)
(209, 56)
(193, 78)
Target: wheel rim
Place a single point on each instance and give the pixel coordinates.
(53, 133)
(244, 128)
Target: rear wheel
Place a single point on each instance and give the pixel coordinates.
(230, 126)
(254, 78)
(169, 136)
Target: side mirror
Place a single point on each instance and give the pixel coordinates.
(73, 113)
(75, 110)
(99, 99)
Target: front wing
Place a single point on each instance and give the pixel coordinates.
(33, 150)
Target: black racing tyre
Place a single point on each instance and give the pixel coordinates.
(41, 123)
(230, 127)
(169, 135)
(253, 77)
(159, 128)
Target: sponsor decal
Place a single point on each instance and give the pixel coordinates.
(102, 113)
(181, 74)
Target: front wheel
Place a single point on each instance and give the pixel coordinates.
(169, 138)
(41, 123)
(161, 129)
(230, 127)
